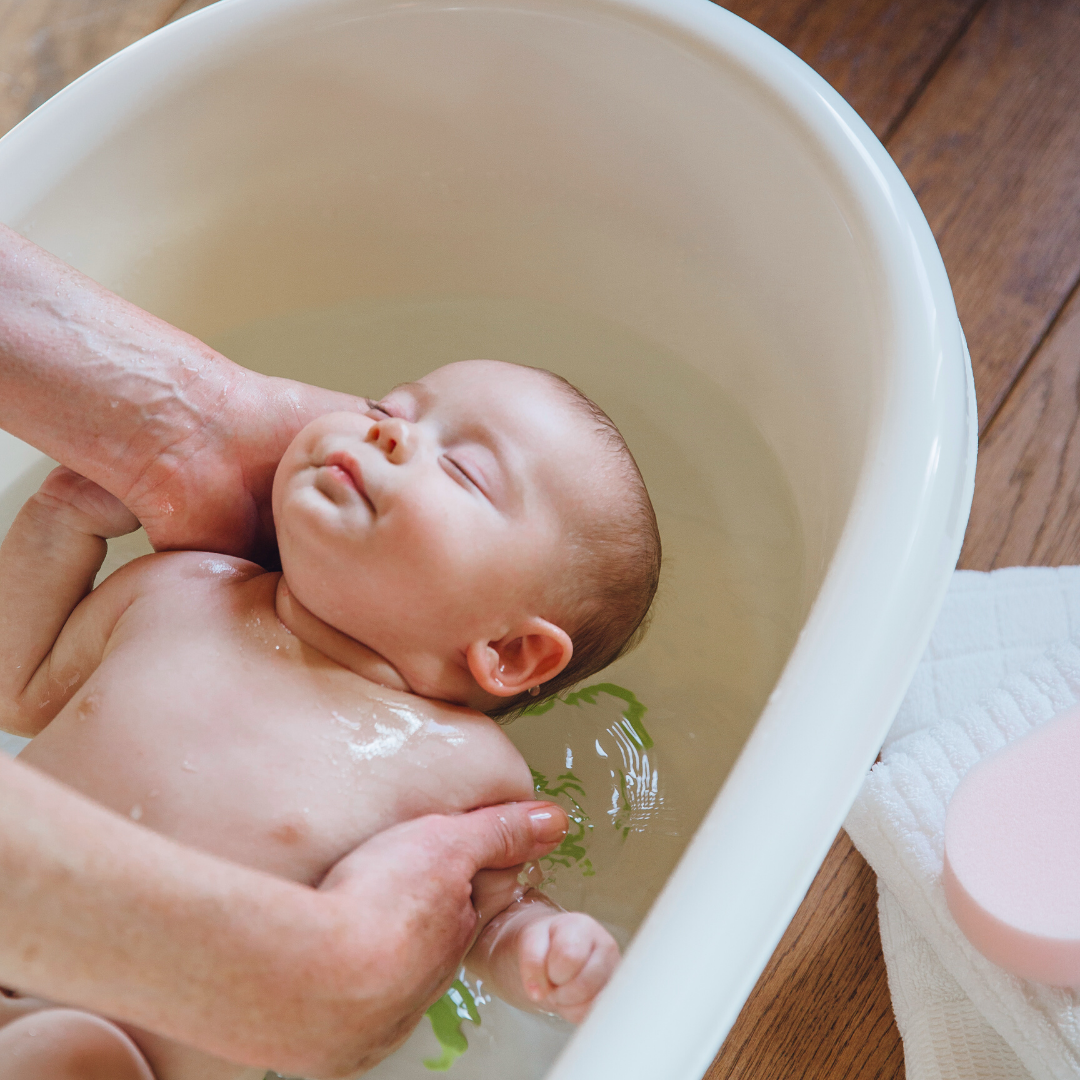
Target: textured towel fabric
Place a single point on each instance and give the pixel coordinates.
(1000, 661)
(945, 1036)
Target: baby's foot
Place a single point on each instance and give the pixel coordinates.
(565, 962)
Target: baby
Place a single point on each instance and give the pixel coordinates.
(478, 538)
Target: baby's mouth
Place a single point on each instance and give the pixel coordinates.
(346, 472)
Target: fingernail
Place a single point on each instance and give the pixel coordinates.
(549, 826)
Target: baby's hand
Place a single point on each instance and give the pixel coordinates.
(84, 506)
(566, 961)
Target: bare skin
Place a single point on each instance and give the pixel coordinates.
(109, 915)
(200, 696)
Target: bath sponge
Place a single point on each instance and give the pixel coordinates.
(1012, 854)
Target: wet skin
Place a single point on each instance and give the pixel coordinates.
(211, 723)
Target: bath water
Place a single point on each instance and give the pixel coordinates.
(729, 607)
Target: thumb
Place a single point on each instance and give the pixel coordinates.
(497, 837)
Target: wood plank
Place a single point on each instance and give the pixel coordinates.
(877, 53)
(1027, 487)
(44, 44)
(1010, 284)
(778, 18)
(992, 150)
(188, 7)
(821, 1007)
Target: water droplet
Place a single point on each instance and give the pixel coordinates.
(136, 812)
(187, 766)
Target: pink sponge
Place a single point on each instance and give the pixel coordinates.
(1012, 854)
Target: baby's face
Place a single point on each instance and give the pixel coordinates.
(440, 515)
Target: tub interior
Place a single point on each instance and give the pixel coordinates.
(354, 193)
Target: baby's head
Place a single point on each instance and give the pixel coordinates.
(484, 529)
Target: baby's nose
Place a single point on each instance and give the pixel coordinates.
(394, 439)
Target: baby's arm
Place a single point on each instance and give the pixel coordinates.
(50, 641)
(538, 957)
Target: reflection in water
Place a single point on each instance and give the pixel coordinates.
(635, 801)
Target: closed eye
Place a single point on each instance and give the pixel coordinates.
(462, 476)
(374, 406)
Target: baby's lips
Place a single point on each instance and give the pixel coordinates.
(550, 824)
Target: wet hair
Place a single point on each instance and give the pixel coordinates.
(613, 567)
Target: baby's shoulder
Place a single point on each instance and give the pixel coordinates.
(483, 754)
(163, 568)
(171, 577)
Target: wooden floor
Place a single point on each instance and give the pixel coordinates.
(978, 101)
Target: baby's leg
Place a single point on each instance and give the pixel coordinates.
(64, 1044)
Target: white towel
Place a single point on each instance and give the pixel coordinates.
(1001, 660)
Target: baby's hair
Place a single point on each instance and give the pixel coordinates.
(613, 571)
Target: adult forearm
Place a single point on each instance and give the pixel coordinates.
(99, 913)
(87, 377)
(186, 438)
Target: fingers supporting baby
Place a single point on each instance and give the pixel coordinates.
(85, 506)
(50, 556)
(499, 837)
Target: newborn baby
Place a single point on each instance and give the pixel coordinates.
(477, 538)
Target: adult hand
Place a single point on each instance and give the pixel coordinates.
(188, 440)
(424, 884)
(99, 913)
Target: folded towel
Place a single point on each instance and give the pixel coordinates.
(1000, 661)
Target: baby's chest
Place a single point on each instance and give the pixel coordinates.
(242, 750)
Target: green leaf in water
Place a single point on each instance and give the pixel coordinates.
(632, 714)
(572, 849)
(458, 1003)
(567, 786)
(540, 708)
(446, 1016)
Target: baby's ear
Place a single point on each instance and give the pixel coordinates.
(531, 654)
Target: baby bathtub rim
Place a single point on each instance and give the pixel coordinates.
(935, 378)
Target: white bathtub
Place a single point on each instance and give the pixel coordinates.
(659, 166)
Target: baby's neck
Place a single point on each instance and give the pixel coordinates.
(333, 644)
